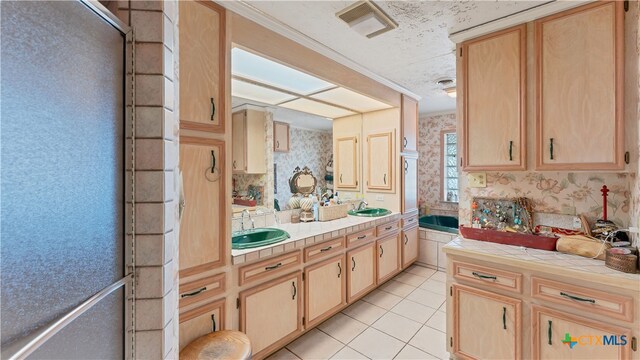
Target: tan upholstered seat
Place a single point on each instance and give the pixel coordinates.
(226, 344)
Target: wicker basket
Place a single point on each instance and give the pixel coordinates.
(328, 213)
(624, 263)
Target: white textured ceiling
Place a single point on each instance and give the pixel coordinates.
(294, 118)
(415, 54)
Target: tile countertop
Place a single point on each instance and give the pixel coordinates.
(305, 234)
(552, 262)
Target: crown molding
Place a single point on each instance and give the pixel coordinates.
(518, 18)
(250, 12)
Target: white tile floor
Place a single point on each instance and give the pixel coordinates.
(403, 319)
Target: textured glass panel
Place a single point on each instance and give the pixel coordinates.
(451, 138)
(451, 150)
(451, 160)
(452, 172)
(62, 173)
(452, 184)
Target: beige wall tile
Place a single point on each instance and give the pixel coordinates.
(170, 125)
(150, 186)
(167, 28)
(147, 311)
(170, 210)
(149, 282)
(149, 344)
(149, 58)
(150, 250)
(148, 25)
(169, 246)
(170, 155)
(149, 154)
(167, 62)
(169, 94)
(149, 90)
(169, 186)
(146, 5)
(150, 218)
(149, 122)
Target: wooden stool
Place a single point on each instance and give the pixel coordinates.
(225, 344)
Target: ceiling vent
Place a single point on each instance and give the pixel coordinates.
(367, 19)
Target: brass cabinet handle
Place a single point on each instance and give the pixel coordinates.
(362, 237)
(213, 162)
(213, 322)
(204, 288)
(549, 333)
(213, 109)
(339, 270)
(235, 165)
(406, 167)
(551, 148)
(504, 318)
(341, 178)
(277, 144)
(573, 297)
(406, 239)
(405, 142)
(326, 249)
(481, 276)
(381, 251)
(388, 228)
(295, 290)
(273, 267)
(384, 179)
(353, 261)
(510, 150)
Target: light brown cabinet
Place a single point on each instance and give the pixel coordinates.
(409, 125)
(202, 230)
(271, 313)
(485, 325)
(493, 86)
(380, 175)
(579, 88)
(248, 142)
(201, 320)
(347, 163)
(325, 289)
(409, 184)
(388, 257)
(281, 141)
(361, 274)
(410, 243)
(551, 327)
(202, 66)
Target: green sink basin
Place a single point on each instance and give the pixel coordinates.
(257, 237)
(369, 212)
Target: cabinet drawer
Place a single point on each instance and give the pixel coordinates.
(202, 289)
(325, 249)
(499, 279)
(277, 265)
(386, 229)
(200, 321)
(593, 301)
(361, 237)
(409, 222)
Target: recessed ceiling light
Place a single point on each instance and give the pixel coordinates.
(451, 91)
(367, 18)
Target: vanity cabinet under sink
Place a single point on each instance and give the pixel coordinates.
(325, 289)
(388, 257)
(362, 271)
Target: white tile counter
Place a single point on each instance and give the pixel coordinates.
(552, 262)
(305, 234)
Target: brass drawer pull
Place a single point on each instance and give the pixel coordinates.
(213, 109)
(273, 267)
(339, 270)
(326, 248)
(480, 276)
(381, 251)
(295, 290)
(362, 237)
(194, 293)
(550, 333)
(572, 297)
(388, 228)
(353, 260)
(504, 318)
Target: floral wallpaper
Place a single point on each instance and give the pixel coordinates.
(311, 148)
(551, 191)
(430, 163)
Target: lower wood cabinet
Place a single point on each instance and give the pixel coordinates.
(271, 313)
(200, 321)
(325, 289)
(361, 273)
(485, 325)
(389, 254)
(410, 243)
(550, 328)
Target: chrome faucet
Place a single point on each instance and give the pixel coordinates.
(362, 202)
(253, 225)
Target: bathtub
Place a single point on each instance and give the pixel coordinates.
(440, 223)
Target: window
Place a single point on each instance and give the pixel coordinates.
(450, 166)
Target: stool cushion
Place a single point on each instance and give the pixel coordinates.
(226, 344)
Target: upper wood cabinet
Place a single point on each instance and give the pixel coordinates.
(281, 140)
(409, 125)
(579, 88)
(248, 142)
(347, 163)
(409, 184)
(325, 289)
(498, 317)
(493, 82)
(202, 65)
(202, 229)
(271, 313)
(380, 175)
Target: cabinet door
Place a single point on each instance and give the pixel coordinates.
(201, 321)
(389, 254)
(271, 313)
(553, 331)
(409, 184)
(202, 65)
(494, 110)
(409, 125)
(280, 137)
(409, 246)
(362, 271)
(485, 325)
(579, 84)
(325, 289)
(379, 161)
(347, 163)
(239, 145)
(202, 229)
